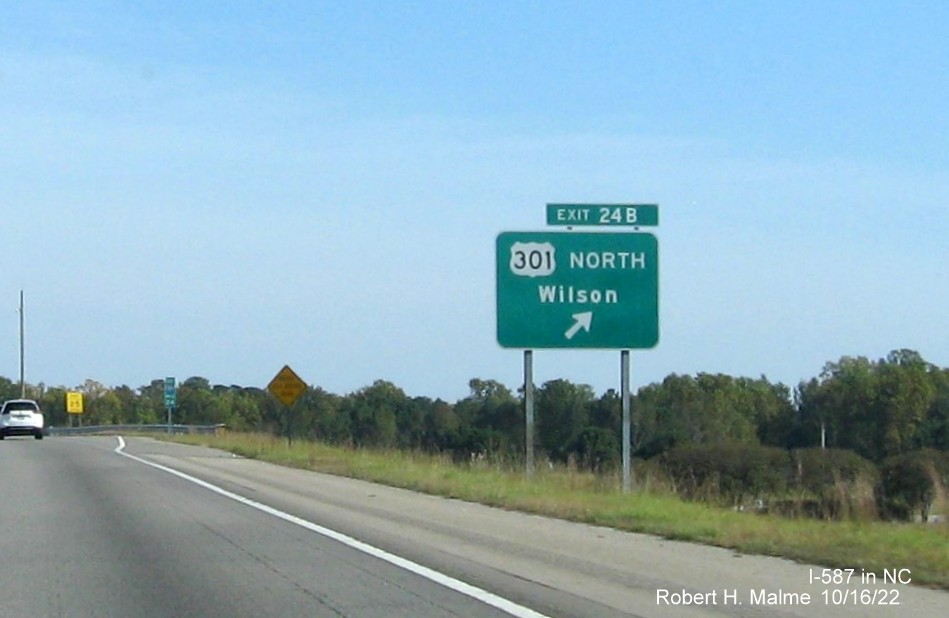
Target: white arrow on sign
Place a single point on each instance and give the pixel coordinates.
(582, 320)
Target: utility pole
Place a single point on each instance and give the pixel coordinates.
(22, 348)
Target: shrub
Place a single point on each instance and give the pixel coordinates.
(731, 473)
(830, 484)
(598, 449)
(911, 483)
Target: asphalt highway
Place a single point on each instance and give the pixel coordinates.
(105, 526)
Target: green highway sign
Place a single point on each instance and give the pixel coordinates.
(577, 290)
(170, 393)
(603, 214)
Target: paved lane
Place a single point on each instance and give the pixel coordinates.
(89, 533)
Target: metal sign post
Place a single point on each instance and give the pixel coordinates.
(627, 418)
(529, 409)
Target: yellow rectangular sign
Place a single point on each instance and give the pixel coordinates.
(74, 403)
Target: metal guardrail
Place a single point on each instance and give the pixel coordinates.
(113, 429)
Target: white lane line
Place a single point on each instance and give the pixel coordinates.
(447, 581)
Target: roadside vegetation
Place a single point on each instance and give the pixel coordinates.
(583, 496)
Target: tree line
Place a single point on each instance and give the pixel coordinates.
(875, 408)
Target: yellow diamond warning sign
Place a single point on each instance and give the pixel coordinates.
(287, 386)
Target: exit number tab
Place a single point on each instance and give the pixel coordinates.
(603, 214)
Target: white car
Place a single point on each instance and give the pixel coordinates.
(21, 417)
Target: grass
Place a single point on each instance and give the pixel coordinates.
(577, 496)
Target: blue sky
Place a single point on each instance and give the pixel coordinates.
(219, 189)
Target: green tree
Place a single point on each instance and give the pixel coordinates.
(907, 393)
(330, 423)
(9, 389)
(705, 409)
(373, 413)
(196, 403)
(878, 409)
(151, 404)
(607, 412)
(772, 409)
(491, 421)
(53, 404)
(563, 411)
(598, 449)
(934, 430)
(443, 426)
(104, 409)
